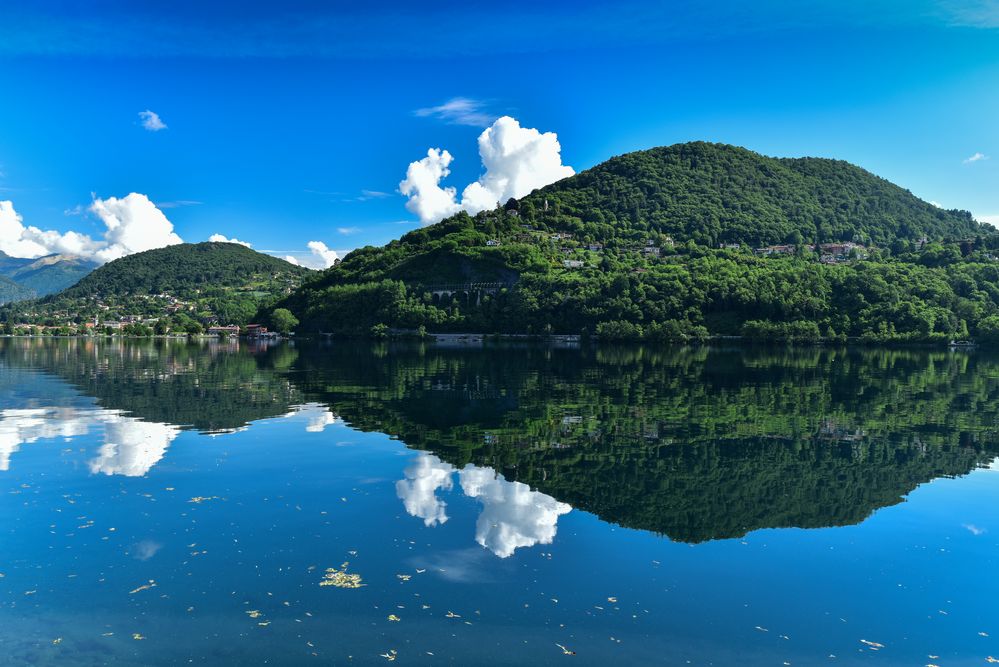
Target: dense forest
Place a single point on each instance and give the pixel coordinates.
(659, 245)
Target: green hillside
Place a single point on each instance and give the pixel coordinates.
(630, 249)
(188, 285)
(184, 269)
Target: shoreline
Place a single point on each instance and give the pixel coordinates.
(467, 339)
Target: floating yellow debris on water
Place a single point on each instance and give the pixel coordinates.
(404, 577)
(143, 587)
(390, 656)
(264, 624)
(253, 613)
(341, 578)
(137, 637)
(565, 651)
(451, 614)
(612, 600)
(107, 634)
(874, 646)
(394, 618)
(57, 641)
(202, 499)
(991, 659)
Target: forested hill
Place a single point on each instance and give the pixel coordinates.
(180, 288)
(716, 193)
(681, 242)
(182, 268)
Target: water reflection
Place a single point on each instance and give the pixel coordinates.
(512, 515)
(131, 447)
(694, 444)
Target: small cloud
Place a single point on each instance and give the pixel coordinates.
(79, 209)
(325, 255)
(977, 157)
(459, 111)
(974, 530)
(373, 194)
(317, 256)
(178, 203)
(145, 550)
(347, 230)
(219, 238)
(152, 121)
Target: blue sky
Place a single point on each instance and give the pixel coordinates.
(295, 124)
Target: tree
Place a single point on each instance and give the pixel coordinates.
(283, 321)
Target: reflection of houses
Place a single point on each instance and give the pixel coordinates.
(830, 430)
(228, 331)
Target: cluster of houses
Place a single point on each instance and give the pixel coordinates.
(829, 253)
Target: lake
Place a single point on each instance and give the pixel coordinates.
(220, 503)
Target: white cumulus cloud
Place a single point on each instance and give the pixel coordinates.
(512, 515)
(516, 160)
(132, 224)
(152, 121)
(219, 238)
(427, 199)
(131, 447)
(977, 157)
(418, 491)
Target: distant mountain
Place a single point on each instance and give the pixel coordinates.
(11, 291)
(45, 275)
(659, 244)
(188, 285)
(51, 274)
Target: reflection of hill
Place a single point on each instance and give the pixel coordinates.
(696, 444)
(210, 386)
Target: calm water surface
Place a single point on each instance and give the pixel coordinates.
(172, 503)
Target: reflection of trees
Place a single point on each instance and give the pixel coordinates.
(208, 386)
(693, 443)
